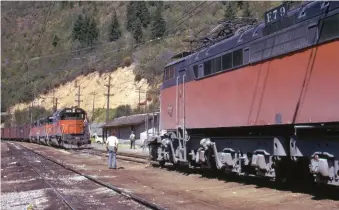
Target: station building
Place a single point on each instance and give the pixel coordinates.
(140, 124)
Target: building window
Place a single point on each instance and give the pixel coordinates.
(237, 58)
(196, 71)
(207, 68)
(227, 61)
(330, 28)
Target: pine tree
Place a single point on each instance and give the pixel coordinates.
(137, 32)
(131, 15)
(137, 10)
(115, 32)
(143, 13)
(77, 27)
(246, 9)
(85, 30)
(158, 26)
(230, 11)
(93, 32)
(55, 41)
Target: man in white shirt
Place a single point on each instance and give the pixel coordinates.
(112, 148)
(132, 139)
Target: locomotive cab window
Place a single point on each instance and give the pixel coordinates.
(72, 116)
(169, 73)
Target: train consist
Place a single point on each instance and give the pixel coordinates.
(67, 128)
(263, 102)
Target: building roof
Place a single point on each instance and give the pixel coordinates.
(128, 120)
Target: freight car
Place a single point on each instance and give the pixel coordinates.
(263, 102)
(66, 128)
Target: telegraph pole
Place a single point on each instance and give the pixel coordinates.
(56, 105)
(53, 101)
(108, 95)
(78, 94)
(32, 104)
(93, 94)
(139, 91)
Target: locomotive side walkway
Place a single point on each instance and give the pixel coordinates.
(180, 190)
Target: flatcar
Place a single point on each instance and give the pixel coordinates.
(263, 102)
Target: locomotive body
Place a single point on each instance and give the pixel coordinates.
(69, 128)
(263, 102)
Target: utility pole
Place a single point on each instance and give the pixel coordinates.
(108, 95)
(56, 105)
(93, 94)
(53, 101)
(32, 104)
(78, 94)
(139, 90)
(31, 110)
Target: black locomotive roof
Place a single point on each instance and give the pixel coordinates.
(295, 16)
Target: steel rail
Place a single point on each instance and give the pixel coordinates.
(49, 184)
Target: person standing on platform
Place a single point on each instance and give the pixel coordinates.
(132, 138)
(112, 148)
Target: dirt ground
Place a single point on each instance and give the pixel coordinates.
(30, 180)
(189, 190)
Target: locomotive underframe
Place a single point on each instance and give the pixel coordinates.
(292, 153)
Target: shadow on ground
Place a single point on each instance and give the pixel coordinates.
(319, 192)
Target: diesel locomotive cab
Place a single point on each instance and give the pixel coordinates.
(73, 127)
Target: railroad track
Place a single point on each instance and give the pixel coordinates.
(33, 155)
(121, 156)
(323, 191)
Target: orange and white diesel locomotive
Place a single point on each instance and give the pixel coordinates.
(67, 128)
(263, 102)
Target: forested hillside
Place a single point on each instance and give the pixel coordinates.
(46, 44)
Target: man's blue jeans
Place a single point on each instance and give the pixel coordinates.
(112, 156)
